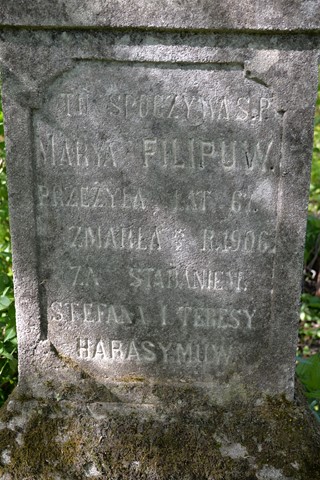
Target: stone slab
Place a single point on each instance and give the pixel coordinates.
(156, 207)
(220, 15)
(68, 440)
(158, 192)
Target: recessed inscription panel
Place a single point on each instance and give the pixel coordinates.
(156, 196)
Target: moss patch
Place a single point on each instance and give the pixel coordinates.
(61, 439)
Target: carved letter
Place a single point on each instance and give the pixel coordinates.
(150, 354)
(184, 354)
(136, 280)
(83, 347)
(245, 113)
(249, 318)
(165, 349)
(43, 193)
(264, 105)
(116, 352)
(208, 236)
(56, 311)
(150, 149)
(223, 110)
(207, 151)
(132, 352)
(188, 105)
(99, 350)
(155, 241)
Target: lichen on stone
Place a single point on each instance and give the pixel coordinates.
(61, 440)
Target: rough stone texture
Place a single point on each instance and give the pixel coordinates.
(262, 15)
(158, 189)
(158, 194)
(183, 440)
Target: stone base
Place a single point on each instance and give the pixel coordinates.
(68, 439)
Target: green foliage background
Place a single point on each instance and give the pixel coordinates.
(308, 359)
(310, 308)
(8, 337)
(308, 355)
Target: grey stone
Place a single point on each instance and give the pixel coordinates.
(60, 440)
(234, 450)
(158, 194)
(158, 185)
(255, 15)
(145, 259)
(5, 457)
(270, 473)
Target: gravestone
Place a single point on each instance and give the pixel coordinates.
(153, 224)
(158, 171)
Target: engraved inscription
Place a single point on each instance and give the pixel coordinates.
(93, 196)
(218, 108)
(221, 318)
(192, 200)
(115, 238)
(75, 104)
(188, 278)
(156, 196)
(185, 316)
(237, 241)
(114, 350)
(96, 313)
(83, 275)
(196, 154)
(56, 150)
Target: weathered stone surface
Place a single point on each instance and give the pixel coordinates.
(158, 186)
(71, 439)
(278, 15)
(158, 192)
(156, 197)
